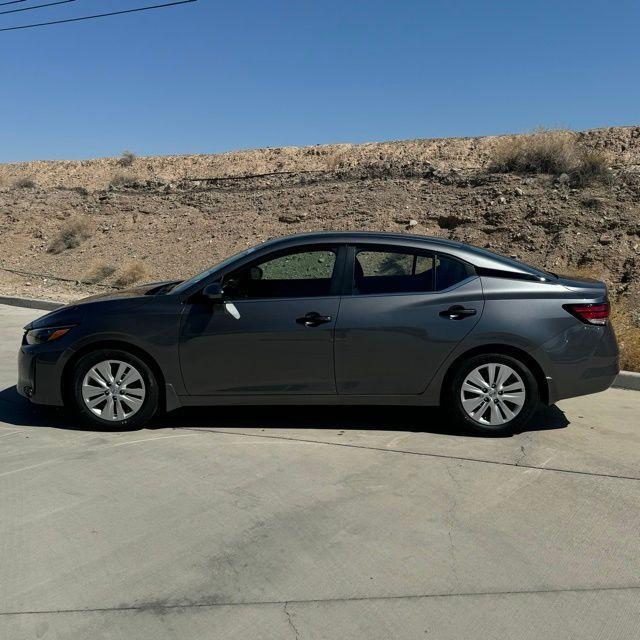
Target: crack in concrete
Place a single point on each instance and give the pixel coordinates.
(441, 456)
(290, 621)
(451, 516)
(255, 603)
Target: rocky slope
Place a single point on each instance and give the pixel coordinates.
(178, 215)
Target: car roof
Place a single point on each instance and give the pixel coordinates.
(476, 256)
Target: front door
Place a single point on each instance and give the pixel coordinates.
(407, 311)
(273, 332)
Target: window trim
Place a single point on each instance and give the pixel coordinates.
(335, 286)
(348, 283)
(471, 276)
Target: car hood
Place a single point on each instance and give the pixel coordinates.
(74, 312)
(148, 289)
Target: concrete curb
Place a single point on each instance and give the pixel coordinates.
(624, 380)
(627, 380)
(31, 303)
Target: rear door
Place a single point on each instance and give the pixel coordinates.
(405, 312)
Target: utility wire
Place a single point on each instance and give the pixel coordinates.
(2, 4)
(98, 15)
(37, 6)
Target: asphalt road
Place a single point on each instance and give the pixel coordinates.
(317, 523)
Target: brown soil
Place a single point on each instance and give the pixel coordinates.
(178, 215)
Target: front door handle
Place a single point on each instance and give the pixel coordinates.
(457, 312)
(313, 319)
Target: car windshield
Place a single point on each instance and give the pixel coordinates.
(187, 284)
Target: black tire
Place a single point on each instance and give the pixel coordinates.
(522, 417)
(151, 389)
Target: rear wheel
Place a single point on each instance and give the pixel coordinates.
(114, 388)
(494, 394)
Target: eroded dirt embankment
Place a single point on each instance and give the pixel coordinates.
(166, 212)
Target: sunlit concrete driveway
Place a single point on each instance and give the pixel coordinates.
(317, 523)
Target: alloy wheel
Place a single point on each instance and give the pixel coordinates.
(113, 390)
(493, 394)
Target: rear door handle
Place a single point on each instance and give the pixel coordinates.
(313, 319)
(457, 312)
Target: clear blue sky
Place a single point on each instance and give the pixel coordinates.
(221, 75)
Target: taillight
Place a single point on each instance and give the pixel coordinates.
(589, 313)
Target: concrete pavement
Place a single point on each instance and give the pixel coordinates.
(317, 523)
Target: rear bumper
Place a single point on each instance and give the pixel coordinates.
(580, 361)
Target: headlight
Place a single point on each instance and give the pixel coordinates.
(48, 334)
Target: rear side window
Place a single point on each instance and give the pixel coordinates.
(450, 271)
(385, 271)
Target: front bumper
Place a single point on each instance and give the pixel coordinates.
(40, 374)
(26, 374)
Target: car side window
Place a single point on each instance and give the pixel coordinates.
(392, 271)
(450, 271)
(297, 274)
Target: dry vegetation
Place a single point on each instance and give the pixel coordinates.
(24, 183)
(131, 272)
(71, 235)
(589, 201)
(627, 327)
(552, 152)
(122, 180)
(334, 161)
(126, 159)
(97, 273)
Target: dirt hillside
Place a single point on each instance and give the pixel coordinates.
(118, 220)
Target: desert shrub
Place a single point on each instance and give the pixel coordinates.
(334, 161)
(126, 159)
(97, 273)
(552, 152)
(24, 183)
(131, 272)
(79, 190)
(71, 234)
(628, 333)
(593, 167)
(122, 180)
(540, 152)
(589, 201)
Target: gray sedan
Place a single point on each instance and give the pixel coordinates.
(331, 318)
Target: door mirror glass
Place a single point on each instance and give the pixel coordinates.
(213, 292)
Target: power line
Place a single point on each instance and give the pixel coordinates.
(2, 4)
(98, 15)
(37, 6)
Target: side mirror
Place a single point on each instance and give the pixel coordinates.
(213, 292)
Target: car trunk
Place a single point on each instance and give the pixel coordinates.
(587, 287)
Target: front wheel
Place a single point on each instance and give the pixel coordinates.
(494, 394)
(114, 389)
